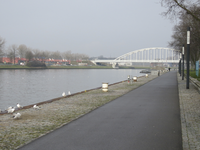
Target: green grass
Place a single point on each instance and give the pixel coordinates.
(13, 67)
(79, 67)
(142, 67)
(193, 74)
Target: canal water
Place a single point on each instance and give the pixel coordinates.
(32, 86)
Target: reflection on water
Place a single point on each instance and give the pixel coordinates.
(32, 86)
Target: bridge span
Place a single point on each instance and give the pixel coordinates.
(147, 55)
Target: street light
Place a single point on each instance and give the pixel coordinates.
(188, 57)
(183, 62)
(180, 64)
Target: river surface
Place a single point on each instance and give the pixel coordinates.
(32, 86)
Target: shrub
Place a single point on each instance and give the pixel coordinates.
(36, 64)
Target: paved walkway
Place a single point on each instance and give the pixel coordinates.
(147, 118)
(190, 115)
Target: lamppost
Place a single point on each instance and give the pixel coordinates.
(183, 62)
(180, 64)
(179, 67)
(188, 57)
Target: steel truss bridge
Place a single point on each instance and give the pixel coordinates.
(147, 55)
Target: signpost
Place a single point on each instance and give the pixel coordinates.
(183, 62)
(197, 68)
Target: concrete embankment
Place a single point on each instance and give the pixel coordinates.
(56, 113)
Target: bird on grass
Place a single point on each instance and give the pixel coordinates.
(69, 93)
(36, 107)
(63, 94)
(19, 106)
(16, 115)
(11, 109)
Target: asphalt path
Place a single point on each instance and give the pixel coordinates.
(147, 118)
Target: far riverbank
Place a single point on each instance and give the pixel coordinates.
(68, 67)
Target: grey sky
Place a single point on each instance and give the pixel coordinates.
(92, 27)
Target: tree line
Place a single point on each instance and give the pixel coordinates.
(23, 51)
(187, 12)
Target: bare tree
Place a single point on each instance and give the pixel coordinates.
(187, 11)
(74, 56)
(22, 49)
(179, 36)
(12, 52)
(176, 7)
(85, 57)
(56, 55)
(29, 55)
(67, 55)
(24, 52)
(46, 54)
(2, 43)
(36, 53)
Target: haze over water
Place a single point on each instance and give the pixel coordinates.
(32, 86)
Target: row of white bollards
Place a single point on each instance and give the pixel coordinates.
(134, 79)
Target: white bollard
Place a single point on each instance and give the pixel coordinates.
(105, 87)
(135, 79)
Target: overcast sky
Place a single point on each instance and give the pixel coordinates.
(93, 27)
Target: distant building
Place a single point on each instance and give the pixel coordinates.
(8, 60)
(18, 60)
(82, 64)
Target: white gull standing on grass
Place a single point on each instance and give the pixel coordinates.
(36, 107)
(63, 94)
(16, 116)
(69, 93)
(11, 109)
(19, 106)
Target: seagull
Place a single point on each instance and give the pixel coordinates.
(11, 110)
(63, 94)
(36, 107)
(69, 93)
(19, 106)
(16, 116)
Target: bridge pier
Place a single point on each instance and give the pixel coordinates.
(115, 65)
(93, 62)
